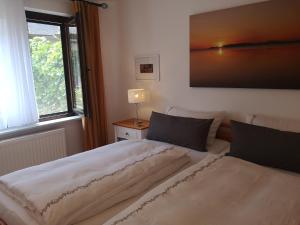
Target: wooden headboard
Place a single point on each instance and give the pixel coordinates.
(224, 131)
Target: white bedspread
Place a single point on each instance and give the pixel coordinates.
(69, 190)
(219, 191)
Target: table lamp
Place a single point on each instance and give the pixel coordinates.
(136, 96)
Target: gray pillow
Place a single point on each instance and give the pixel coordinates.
(187, 132)
(266, 146)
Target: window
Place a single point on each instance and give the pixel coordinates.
(56, 65)
(76, 70)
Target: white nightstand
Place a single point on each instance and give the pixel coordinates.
(128, 129)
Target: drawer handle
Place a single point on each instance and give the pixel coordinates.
(126, 134)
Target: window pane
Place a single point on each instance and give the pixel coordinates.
(48, 68)
(75, 64)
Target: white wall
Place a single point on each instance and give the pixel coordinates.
(133, 27)
(115, 79)
(58, 7)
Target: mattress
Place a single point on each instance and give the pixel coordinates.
(18, 216)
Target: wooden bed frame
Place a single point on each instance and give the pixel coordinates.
(224, 131)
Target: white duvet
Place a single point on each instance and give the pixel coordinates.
(72, 189)
(219, 191)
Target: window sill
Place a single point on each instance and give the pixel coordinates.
(10, 131)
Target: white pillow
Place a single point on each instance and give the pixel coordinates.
(217, 116)
(282, 124)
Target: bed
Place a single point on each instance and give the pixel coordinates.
(12, 212)
(95, 185)
(221, 186)
(257, 182)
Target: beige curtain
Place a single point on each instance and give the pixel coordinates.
(95, 122)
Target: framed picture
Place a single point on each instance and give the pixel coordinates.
(147, 67)
(252, 46)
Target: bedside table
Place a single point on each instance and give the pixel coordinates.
(128, 129)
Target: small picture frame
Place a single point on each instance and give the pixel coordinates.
(147, 67)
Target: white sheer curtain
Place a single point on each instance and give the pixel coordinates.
(17, 95)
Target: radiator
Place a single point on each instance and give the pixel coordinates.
(21, 152)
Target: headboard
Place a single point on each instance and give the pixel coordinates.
(224, 131)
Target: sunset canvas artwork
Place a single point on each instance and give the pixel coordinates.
(253, 46)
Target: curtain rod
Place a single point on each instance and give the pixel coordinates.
(102, 5)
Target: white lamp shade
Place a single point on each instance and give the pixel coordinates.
(136, 95)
